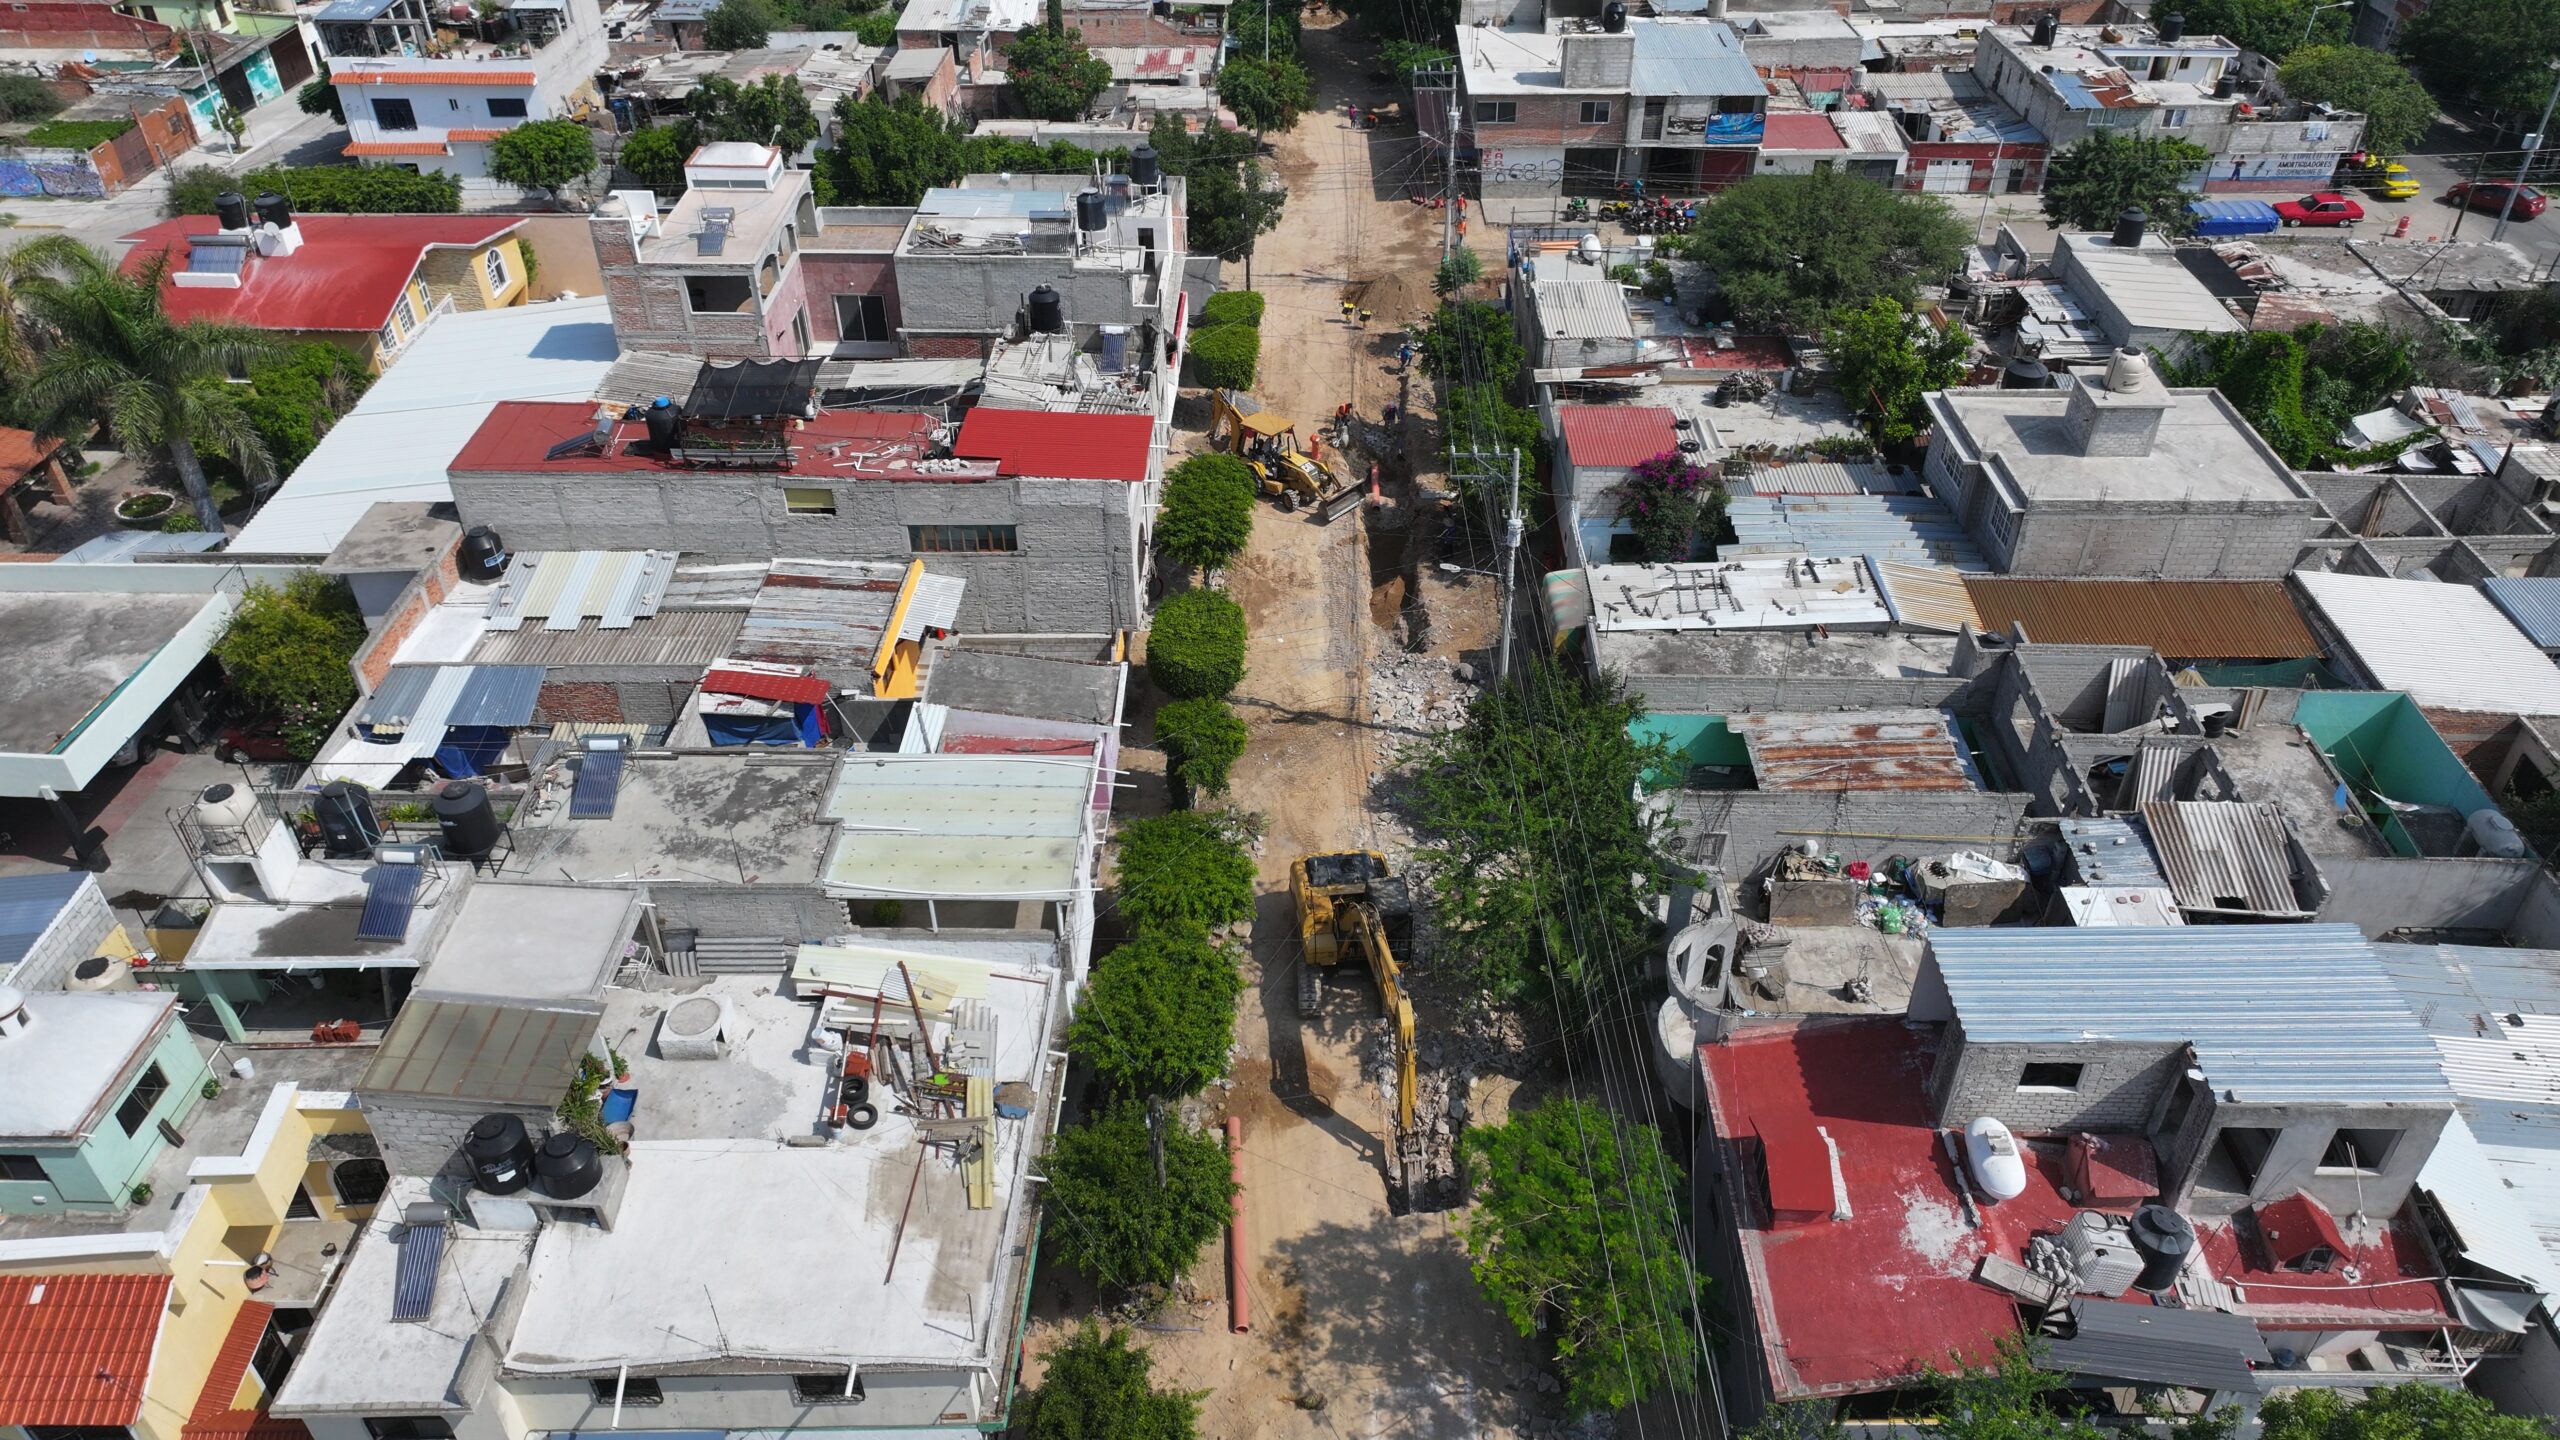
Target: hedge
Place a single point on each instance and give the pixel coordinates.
(324, 190)
(1225, 356)
(1181, 872)
(1231, 307)
(1201, 740)
(1208, 511)
(76, 134)
(1197, 645)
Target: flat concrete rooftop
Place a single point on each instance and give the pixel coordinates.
(2205, 452)
(533, 942)
(2279, 764)
(68, 652)
(1776, 652)
(720, 819)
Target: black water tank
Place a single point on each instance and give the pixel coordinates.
(2130, 223)
(666, 422)
(2025, 373)
(2227, 86)
(1090, 212)
(2048, 27)
(2170, 26)
(347, 823)
(566, 1166)
(1048, 311)
(483, 556)
(1613, 17)
(500, 1154)
(274, 209)
(1143, 169)
(468, 822)
(2164, 1239)
(232, 209)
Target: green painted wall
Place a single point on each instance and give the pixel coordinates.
(98, 1174)
(2380, 742)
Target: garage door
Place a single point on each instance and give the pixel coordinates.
(1947, 177)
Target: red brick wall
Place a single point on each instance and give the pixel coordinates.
(157, 137)
(2481, 739)
(946, 347)
(1550, 122)
(1131, 28)
(424, 594)
(832, 275)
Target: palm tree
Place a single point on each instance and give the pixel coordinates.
(109, 352)
(38, 259)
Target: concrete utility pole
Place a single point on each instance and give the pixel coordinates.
(2532, 144)
(1510, 571)
(1449, 195)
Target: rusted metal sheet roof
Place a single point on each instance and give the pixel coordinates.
(691, 638)
(822, 612)
(1874, 750)
(2182, 619)
(1925, 597)
(2226, 857)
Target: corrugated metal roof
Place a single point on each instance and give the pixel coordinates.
(28, 905)
(1691, 57)
(671, 638)
(960, 826)
(1582, 310)
(1870, 750)
(2153, 773)
(2498, 1211)
(1925, 597)
(2111, 850)
(416, 704)
(2204, 1349)
(2182, 619)
(2278, 1014)
(2230, 857)
(1894, 527)
(561, 588)
(497, 695)
(1616, 436)
(1823, 477)
(2532, 602)
(821, 612)
(935, 606)
(2447, 646)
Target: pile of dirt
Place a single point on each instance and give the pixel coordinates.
(1395, 299)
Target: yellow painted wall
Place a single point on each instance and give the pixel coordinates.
(208, 1277)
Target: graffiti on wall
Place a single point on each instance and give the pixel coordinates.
(61, 174)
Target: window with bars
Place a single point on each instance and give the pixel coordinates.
(494, 261)
(142, 1099)
(963, 539)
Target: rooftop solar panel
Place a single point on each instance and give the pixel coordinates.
(390, 893)
(599, 781)
(212, 258)
(413, 1296)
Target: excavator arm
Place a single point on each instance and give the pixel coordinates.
(1371, 936)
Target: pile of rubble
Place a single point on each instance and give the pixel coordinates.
(1412, 695)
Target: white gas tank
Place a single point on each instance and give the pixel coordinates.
(1991, 1152)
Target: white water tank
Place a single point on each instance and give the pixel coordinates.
(101, 972)
(14, 1018)
(1991, 1153)
(225, 806)
(2102, 1252)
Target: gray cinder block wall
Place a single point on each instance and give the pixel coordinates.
(77, 933)
(424, 1137)
(2120, 1084)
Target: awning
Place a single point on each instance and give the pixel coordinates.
(764, 683)
(415, 705)
(746, 389)
(2205, 1349)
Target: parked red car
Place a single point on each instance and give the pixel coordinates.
(254, 737)
(2327, 207)
(2490, 197)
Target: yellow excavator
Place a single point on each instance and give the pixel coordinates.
(1267, 442)
(1351, 905)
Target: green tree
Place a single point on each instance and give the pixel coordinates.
(2010, 1399)
(1669, 502)
(655, 154)
(1788, 249)
(771, 111)
(1572, 1237)
(1201, 740)
(1458, 269)
(161, 386)
(1888, 358)
(1196, 646)
(1469, 342)
(1233, 307)
(1230, 200)
(1100, 1386)
(879, 28)
(1110, 1218)
(24, 97)
(1159, 1017)
(2273, 28)
(1478, 418)
(1246, 23)
(322, 189)
(2397, 109)
(1266, 95)
(286, 651)
(1208, 511)
(1224, 357)
(2412, 1411)
(2495, 53)
(2088, 185)
(1400, 60)
(319, 96)
(890, 152)
(1182, 871)
(2300, 390)
(740, 25)
(296, 395)
(1533, 815)
(1053, 74)
(39, 262)
(548, 155)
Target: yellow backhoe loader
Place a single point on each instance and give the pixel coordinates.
(1351, 906)
(1267, 442)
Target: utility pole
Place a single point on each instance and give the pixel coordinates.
(2532, 144)
(1449, 197)
(1510, 571)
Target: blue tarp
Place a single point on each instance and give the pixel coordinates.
(2233, 217)
(468, 750)
(801, 727)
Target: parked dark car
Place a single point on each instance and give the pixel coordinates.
(2490, 197)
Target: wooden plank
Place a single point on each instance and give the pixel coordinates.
(980, 1171)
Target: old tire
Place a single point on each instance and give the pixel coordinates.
(1288, 502)
(862, 1117)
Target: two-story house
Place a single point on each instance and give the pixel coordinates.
(718, 275)
(1584, 107)
(2071, 81)
(419, 101)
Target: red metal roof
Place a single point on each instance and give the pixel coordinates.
(379, 148)
(519, 433)
(1616, 436)
(75, 1349)
(1058, 445)
(349, 273)
(2297, 1225)
(1791, 130)
(794, 689)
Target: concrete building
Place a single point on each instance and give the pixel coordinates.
(1570, 107)
(416, 99)
(1957, 138)
(719, 274)
(2071, 81)
(2139, 294)
(368, 283)
(2117, 476)
(51, 925)
(973, 254)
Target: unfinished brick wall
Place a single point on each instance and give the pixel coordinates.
(946, 347)
(373, 661)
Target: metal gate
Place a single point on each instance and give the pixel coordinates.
(1947, 177)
